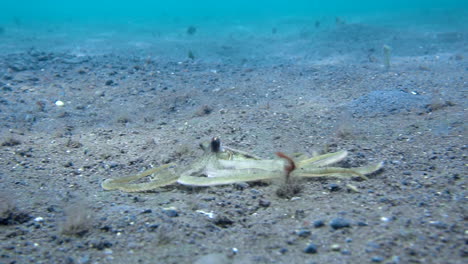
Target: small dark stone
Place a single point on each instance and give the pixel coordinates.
(101, 245)
(438, 224)
(303, 233)
(361, 223)
(147, 211)
(283, 251)
(106, 228)
(109, 82)
(153, 227)
(338, 223)
(171, 212)
(113, 165)
(311, 249)
(377, 259)
(223, 221)
(345, 252)
(333, 187)
(51, 209)
(319, 223)
(264, 203)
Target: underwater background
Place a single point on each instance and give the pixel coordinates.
(186, 11)
(156, 27)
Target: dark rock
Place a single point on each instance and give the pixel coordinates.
(109, 82)
(223, 221)
(147, 211)
(438, 224)
(106, 228)
(153, 227)
(345, 252)
(338, 223)
(264, 203)
(362, 223)
(303, 233)
(100, 245)
(171, 212)
(333, 187)
(377, 259)
(310, 249)
(319, 223)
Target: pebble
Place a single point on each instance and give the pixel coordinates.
(223, 221)
(333, 187)
(338, 223)
(264, 203)
(377, 259)
(310, 249)
(170, 212)
(303, 233)
(345, 252)
(438, 224)
(319, 223)
(362, 223)
(335, 247)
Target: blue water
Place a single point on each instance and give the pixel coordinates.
(118, 11)
(277, 29)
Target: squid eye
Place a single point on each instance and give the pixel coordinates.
(215, 144)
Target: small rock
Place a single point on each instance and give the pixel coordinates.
(264, 203)
(311, 249)
(345, 252)
(338, 223)
(223, 221)
(335, 247)
(333, 187)
(362, 223)
(303, 233)
(171, 212)
(109, 82)
(319, 223)
(377, 259)
(438, 224)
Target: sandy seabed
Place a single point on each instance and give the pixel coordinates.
(70, 118)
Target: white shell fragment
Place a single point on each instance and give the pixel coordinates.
(59, 103)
